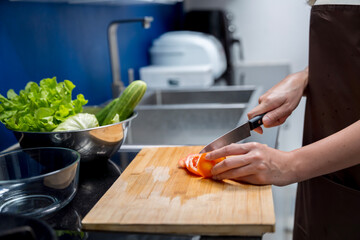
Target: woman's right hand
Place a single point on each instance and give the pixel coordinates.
(281, 100)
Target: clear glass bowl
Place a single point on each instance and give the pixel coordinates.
(38, 181)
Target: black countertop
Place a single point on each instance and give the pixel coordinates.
(94, 180)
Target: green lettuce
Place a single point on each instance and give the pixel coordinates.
(78, 122)
(40, 108)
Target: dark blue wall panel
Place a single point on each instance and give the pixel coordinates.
(69, 41)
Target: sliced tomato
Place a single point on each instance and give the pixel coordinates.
(181, 163)
(197, 164)
(205, 166)
(192, 163)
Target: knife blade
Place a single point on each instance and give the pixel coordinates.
(235, 135)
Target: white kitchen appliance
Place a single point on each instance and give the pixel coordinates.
(184, 59)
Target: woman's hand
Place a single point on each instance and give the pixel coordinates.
(281, 100)
(254, 163)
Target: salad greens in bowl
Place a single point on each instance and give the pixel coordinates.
(40, 108)
(45, 115)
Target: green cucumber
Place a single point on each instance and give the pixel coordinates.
(101, 115)
(126, 102)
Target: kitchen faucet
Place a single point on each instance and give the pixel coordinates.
(117, 84)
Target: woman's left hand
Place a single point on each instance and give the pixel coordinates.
(254, 163)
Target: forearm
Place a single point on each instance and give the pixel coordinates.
(298, 80)
(306, 79)
(333, 153)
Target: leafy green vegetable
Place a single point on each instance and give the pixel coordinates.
(40, 108)
(78, 122)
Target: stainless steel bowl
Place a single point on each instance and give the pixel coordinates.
(98, 143)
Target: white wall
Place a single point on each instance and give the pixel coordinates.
(271, 30)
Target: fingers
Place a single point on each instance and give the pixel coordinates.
(259, 130)
(267, 103)
(230, 164)
(274, 117)
(236, 173)
(229, 150)
(241, 155)
(259, 109)
(252, 179)
(244, 171)
(247, 165)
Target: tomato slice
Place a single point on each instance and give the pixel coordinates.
(198, 165)
(205, 166)
(181, 163)
(192, 163)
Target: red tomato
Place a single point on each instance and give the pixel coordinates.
(181, 163)
(205, 166)
(198, 165)
(192, 162)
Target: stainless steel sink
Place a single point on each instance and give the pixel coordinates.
(183, 124)
(221, 95)
(189, 117)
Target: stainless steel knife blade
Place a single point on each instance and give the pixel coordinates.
(235, 135)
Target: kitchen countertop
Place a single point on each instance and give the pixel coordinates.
(94, 181)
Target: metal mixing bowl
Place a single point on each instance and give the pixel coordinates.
(98, 143)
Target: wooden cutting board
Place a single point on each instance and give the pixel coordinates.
(153, 195)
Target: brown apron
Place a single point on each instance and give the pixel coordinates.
(328, 207)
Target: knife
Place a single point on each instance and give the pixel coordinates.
(235, 135)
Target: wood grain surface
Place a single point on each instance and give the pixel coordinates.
(153, 195)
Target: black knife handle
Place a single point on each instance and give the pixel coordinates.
(256, 121)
